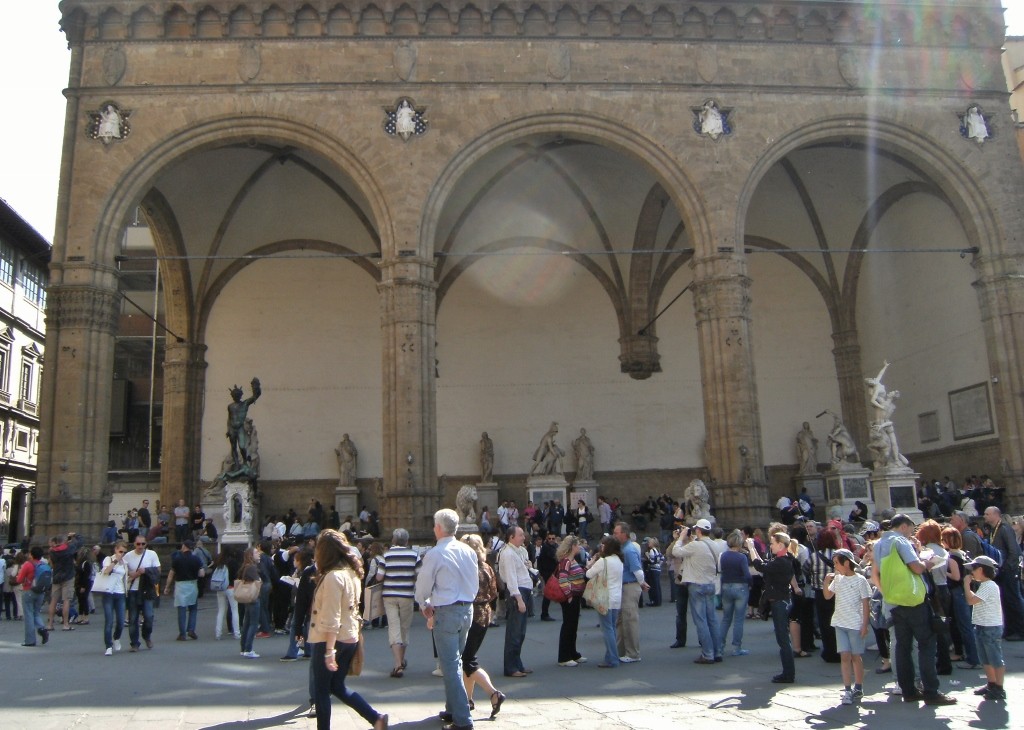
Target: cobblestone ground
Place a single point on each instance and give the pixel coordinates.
(206, 684)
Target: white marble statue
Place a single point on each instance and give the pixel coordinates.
(711, 122)
(583, 448)
(697, 502)
(840, 443)
(110, 123)
(806, 451)
(883, 436)
(465, 504)
(547, 458)
(405, 119)
(975, 124)
(347, 456)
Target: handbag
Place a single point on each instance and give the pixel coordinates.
(764, 606)
(247, 591)
(107, 582)
(553, 589)
(373, 603)
(596, 592)
(355, 667)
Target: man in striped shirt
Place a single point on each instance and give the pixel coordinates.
(401, 564)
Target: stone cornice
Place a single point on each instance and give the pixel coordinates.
(977, 24)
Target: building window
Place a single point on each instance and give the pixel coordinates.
(5, 358)
(26, 381)
(6, 263)
(32, 284)
(21, 440)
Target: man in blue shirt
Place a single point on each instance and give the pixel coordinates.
(445, 589)
(627, 628)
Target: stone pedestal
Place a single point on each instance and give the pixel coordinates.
(541, 489)
(239, 512)
(735, 505)
(212, 502)
(487, 496)
(467, 528)
(813, 483)
(896, 489)
(845, 485)
(587, 491)
(346, 501)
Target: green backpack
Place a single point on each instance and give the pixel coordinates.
(900, 585)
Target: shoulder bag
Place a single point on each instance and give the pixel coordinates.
(596, 592)
(247, 591)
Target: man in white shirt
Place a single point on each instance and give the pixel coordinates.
(143, 568)
(445, 589)
(513, 566)
(699, 570)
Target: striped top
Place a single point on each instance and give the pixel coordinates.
(399, 571)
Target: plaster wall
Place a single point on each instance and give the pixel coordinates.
(310, 330)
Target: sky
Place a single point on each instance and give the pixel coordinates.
(34, 60)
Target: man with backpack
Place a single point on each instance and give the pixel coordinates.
(1003, 539)
(898, 569)
(35, 578)
(63, 549)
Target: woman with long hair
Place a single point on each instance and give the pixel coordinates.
(570, 579)
(929, 534)
(226, 603)
(85, 571)
(249, 573)
(608, 562)
(334, 629)
(114, 598)
(473, 673)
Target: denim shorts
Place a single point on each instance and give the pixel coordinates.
(849, 640)
(990, 647)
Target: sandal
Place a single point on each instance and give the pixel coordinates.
(68, 628)
(800, 654)
(496, 703)
(397, 672)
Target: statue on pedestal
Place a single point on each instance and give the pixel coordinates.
(584, 450)
(465, 504)
(547, 459)
(347, 456)
(806, 451)
(486, 459)
(238, 409)
(883, 436)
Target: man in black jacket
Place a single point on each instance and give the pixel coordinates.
(547, 563)
(63, 550)
(1008, 576)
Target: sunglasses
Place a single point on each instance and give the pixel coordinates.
(139, 544)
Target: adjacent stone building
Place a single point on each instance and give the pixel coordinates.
(24, 257)
(417, 221)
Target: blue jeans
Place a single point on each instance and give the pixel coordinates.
(515, 633)
(137, 605)
(611, 644)
(250, 622)
(962, 615)
(734, 610)
(705, 620)
(31, 610)
(187, 618)
(113, 618)
(451, 627)
(264, 606)
(780, 621)
(910, 623)
(327, 683)
(293, 648)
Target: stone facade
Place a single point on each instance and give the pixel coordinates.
(225, 94)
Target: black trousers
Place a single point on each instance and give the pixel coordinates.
(567, 634)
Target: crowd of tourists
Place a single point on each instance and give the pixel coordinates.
(948, 591)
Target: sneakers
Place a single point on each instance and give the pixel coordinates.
(437, 672)
(117, 645)
(740, 652)
(263, 635)
(782, 679)
(628, 660)
(570, 663)
(289, 659)
(250, 654)
(846, 698)
(983, 690)
(581, 660)
(108, 652)
(857, 694)
(280, 632)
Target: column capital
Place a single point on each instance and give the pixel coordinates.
(82, 307)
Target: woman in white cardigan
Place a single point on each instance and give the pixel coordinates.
(608, 562)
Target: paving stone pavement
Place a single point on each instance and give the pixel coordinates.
(206, 684)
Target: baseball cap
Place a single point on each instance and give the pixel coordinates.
(982, 560)
(702, 525)
(847, 555)
(869, 526)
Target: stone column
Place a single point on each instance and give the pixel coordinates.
(1000, 288)
(409, 492)
(71, 491)
(179, 454)
(850, 375)
(722, 304)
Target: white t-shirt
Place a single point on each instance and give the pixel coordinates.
(135, 562)
(850, 590)
(989, 612)
(118, 571)
(782, 503)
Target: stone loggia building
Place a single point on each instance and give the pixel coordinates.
(417, 221)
